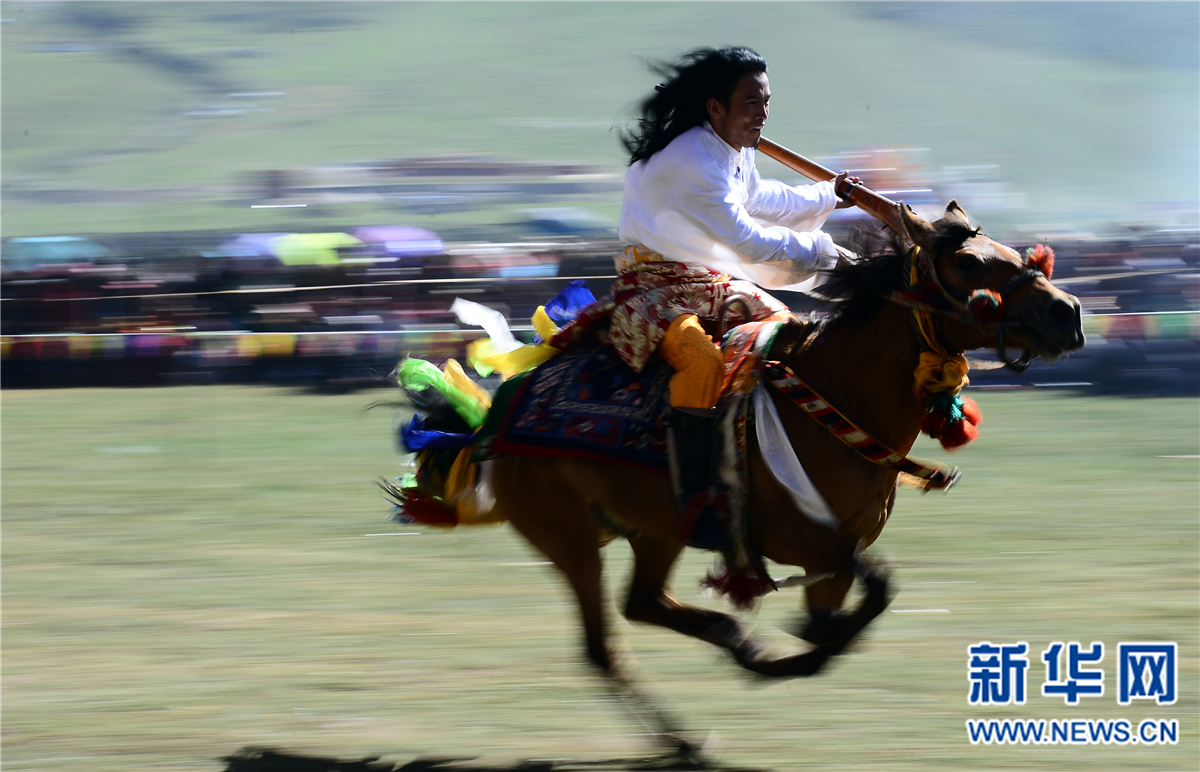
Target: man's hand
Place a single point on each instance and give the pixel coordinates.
(842, 185)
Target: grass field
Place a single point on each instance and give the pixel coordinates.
(191, 571)
(113, 95)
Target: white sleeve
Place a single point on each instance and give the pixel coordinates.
(728, 222)
(799, 207)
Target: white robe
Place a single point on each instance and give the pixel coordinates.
(699, 201)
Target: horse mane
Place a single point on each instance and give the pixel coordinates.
(855, 291)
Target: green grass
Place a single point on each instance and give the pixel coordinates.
(188, 572)
(1030, 88)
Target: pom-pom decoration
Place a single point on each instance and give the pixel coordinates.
(952, 420)
(987, 309)
(1041, 257)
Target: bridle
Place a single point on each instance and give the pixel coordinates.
(926, 296)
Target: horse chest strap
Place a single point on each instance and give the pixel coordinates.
(933, 475)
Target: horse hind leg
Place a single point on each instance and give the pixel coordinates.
(556, 523)
(553, 521)
(649, 602)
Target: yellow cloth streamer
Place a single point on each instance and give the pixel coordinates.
(481, 352)
(937, 373)
(461, 476)
(458, 378)
(462, 492)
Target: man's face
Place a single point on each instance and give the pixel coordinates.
(740, 122)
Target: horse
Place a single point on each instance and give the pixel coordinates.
(861, 357)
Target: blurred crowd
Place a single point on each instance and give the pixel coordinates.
(203, 301)
(273, 282)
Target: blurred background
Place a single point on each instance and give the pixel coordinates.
(197, 193)
(212, 200)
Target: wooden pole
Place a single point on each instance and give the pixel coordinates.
(880, 207)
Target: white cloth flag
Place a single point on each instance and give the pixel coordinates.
(777, 452)
(492, 322)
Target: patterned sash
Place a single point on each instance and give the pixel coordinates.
(935, 476)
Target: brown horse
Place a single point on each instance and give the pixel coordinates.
(861, 358)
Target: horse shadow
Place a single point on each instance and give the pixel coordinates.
(268, 760)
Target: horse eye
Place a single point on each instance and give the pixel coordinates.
(969, 264)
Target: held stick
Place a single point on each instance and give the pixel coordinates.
(879, 207)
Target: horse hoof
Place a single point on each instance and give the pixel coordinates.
(688, 756)
(879, 590)
(822, 629)
(810, 663)
(880, 593)
(873, 573)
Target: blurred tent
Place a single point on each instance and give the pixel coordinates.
(24, 254)
(571, 221)
(249, 249)
(248, 245)
(312, 248)
(402, 241)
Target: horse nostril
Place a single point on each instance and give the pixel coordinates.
(1062, 314)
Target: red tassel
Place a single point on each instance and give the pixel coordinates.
(953, 434)
(742, 588)
(971, 411)
(425, 510)
(933, 423)
(1042, 258)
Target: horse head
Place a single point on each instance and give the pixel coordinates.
(1000, 298)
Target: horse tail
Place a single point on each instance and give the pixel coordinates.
(412, 506)
(436, 409)
(449, 488)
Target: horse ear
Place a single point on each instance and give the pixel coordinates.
(919, 229)
(957, 213)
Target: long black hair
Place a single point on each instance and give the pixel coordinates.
(681, 103)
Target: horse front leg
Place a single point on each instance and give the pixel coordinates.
(832, 628)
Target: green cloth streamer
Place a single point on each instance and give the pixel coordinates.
(419, 375)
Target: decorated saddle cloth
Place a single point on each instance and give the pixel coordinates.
(587, 402)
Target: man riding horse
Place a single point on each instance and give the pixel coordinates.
(702, 228)
(816, 485)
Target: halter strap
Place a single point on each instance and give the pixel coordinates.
(926, 296)
(935, 476)
(1024, 277)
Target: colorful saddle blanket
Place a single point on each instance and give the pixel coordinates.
(587, 402)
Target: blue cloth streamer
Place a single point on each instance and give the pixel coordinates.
(567, 304)
(415, 437)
